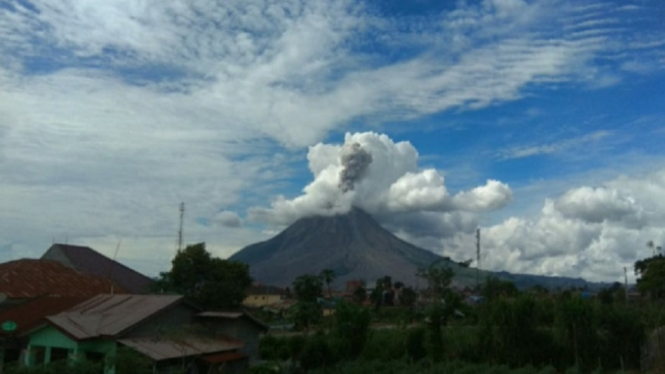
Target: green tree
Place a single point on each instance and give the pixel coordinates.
(651, 273)
(438, 279)
(328, 276)
(210, 282)
(350, 329)
(360, 294)
(408, 296)
(308, 287)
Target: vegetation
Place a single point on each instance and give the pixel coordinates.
(209, 282)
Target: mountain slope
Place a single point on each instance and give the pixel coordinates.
(354, 245)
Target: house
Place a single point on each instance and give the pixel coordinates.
(262, 296)
(26, 279)
(21, 319)
(165, 328)
(88, 261)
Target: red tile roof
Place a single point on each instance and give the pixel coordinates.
(224, 357)
(32, 314)
(28, 278)
(89, 261)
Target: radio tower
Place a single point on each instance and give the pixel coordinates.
(478, 258)
(182, 215)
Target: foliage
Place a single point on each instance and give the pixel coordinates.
(438, 279)
(129, 361)
(58, 367)
(651, 272)
(328, 276)
(306, 314)
(494, 288)
(350, 330)
(210, 282)
(408, 296)
(360, 294)
(316, 353)
(308, 288)
(415, 347)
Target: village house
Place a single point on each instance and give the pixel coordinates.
(165, 328)
(259, 296)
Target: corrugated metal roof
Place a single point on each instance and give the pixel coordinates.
(110, 315)
(87, 260)
(234, 315)
(164, 349)
(33, 313)
(30, 278)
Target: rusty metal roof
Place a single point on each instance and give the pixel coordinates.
(31, 314)
(110, 315)
(164, 349)
(89, 261)
(30, 278)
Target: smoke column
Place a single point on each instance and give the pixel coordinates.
(355, 161)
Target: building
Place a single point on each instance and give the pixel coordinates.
(164, 328)
(26, 279)
(263, 296)
(88, 261)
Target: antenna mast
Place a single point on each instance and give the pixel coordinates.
(182, 215)
(625, 279)
(478, 258)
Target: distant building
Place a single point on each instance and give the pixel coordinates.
(263, 296)
(89, 261)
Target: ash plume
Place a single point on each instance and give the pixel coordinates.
(355, 161)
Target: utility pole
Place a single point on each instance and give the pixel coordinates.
(182, 215)
(478, 259)
(625, 280)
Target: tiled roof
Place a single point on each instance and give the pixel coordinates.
(110, 315)
(164, 349)
(31, 314)
(87, 260)
(29, 278)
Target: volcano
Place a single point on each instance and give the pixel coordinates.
(354, 245)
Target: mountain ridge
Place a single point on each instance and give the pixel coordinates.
(356, 247)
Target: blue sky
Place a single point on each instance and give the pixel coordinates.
(539, 121)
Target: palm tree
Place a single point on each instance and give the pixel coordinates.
(328, 276)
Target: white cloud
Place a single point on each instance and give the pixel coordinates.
(587, 232)
(392, 187)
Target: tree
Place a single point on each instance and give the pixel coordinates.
(651, 272)
(360, 294)
(495, 288)
(328, 276)
(408, 296)
(308, 287)
(350, 330)
(210, 282)
(438, 279)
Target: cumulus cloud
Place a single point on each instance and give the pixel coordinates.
(589, 232)
(392, 187)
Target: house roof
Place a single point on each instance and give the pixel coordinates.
(31, 314)
(30, 278)
(218, 358)
(110, 315)
(87, 260)
(234, 315)
(164, 349)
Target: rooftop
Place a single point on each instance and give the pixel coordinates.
(30, 278)
(89, 261)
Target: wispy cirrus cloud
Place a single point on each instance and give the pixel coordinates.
(555, 147)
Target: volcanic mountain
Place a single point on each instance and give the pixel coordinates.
(354, 245)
